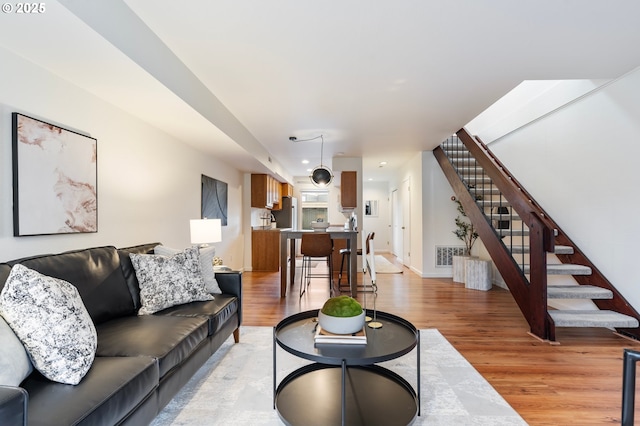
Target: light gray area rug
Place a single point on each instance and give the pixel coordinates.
(383, 266)
(235, 386)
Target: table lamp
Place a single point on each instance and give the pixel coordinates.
(205, 231)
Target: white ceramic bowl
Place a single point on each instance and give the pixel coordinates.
(319, 226)
(341, 325)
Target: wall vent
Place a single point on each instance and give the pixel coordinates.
(444, 255)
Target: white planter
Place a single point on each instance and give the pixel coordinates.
(458, 268)
(477, 274)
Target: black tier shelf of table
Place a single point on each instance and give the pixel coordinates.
(344, 386)
(396, 338)
(374, 396)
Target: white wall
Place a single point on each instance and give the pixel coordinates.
(380, 224)
(148, 182)
(580, 164)
(526, 103)
(438, 216)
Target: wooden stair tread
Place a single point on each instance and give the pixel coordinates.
(479, 189)
(516, 248)
(578, 292)
(471, 179)
(458, 159)
(564, 269)
(592, 318)
(512, 232)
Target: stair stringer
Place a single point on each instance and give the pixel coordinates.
(526, 207)
(530, 298)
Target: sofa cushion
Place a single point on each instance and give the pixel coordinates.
(5, 270)
(128, 271)
(15, 364)
(169, 339)
(146, 248)
(206, 255)
(48, 316)
(217, 311)
(113, 387)
(169, 281)
(97, 275)
(13, 405)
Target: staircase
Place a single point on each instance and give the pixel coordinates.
(527, 246)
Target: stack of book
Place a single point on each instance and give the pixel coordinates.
(324, 337)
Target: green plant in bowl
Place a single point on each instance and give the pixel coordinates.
(342, 306)
(341, 315)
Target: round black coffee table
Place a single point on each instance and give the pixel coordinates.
(344, 386)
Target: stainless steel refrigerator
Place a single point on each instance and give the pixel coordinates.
(287, 217)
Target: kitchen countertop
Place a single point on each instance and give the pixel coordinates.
(266, 228)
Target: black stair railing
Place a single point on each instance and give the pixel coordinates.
(475, 192)
(495, 206)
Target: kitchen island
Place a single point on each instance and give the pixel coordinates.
(288, 269)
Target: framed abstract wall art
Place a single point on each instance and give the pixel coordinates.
(54, 179)
(214, 199)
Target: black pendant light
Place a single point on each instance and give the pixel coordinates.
(321, 175)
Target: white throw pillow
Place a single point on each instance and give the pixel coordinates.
(15, 364)
(169, 281)
(49, 318)
(206, 255)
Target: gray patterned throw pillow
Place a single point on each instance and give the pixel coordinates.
(169, 281)
(49, 318)
(206, 255)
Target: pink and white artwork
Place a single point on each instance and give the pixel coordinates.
(54, 179)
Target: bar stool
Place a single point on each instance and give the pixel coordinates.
(315, 245)
(346, 254)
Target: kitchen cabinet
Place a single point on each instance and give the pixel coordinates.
(276, 194)
(265, 250)
(265, 192)
(287, 190)
(348, 190)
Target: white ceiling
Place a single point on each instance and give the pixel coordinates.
(379, 79)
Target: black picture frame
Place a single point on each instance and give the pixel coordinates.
(55, 179)
(214, 199)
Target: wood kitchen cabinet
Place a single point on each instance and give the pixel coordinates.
(287, 190)
(348, 190)
(265, 192)
(265, 250)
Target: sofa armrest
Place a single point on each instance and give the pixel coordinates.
(230, 282)
(13, 405)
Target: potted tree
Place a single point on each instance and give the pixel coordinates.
(466, 232)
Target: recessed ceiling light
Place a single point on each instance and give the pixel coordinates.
(305, 161)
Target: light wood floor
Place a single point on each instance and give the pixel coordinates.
(578, 382)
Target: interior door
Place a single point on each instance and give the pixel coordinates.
(396, 224)
(405, 201)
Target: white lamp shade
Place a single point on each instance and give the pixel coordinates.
(204, 231)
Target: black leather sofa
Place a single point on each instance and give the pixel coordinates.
(141, 361)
